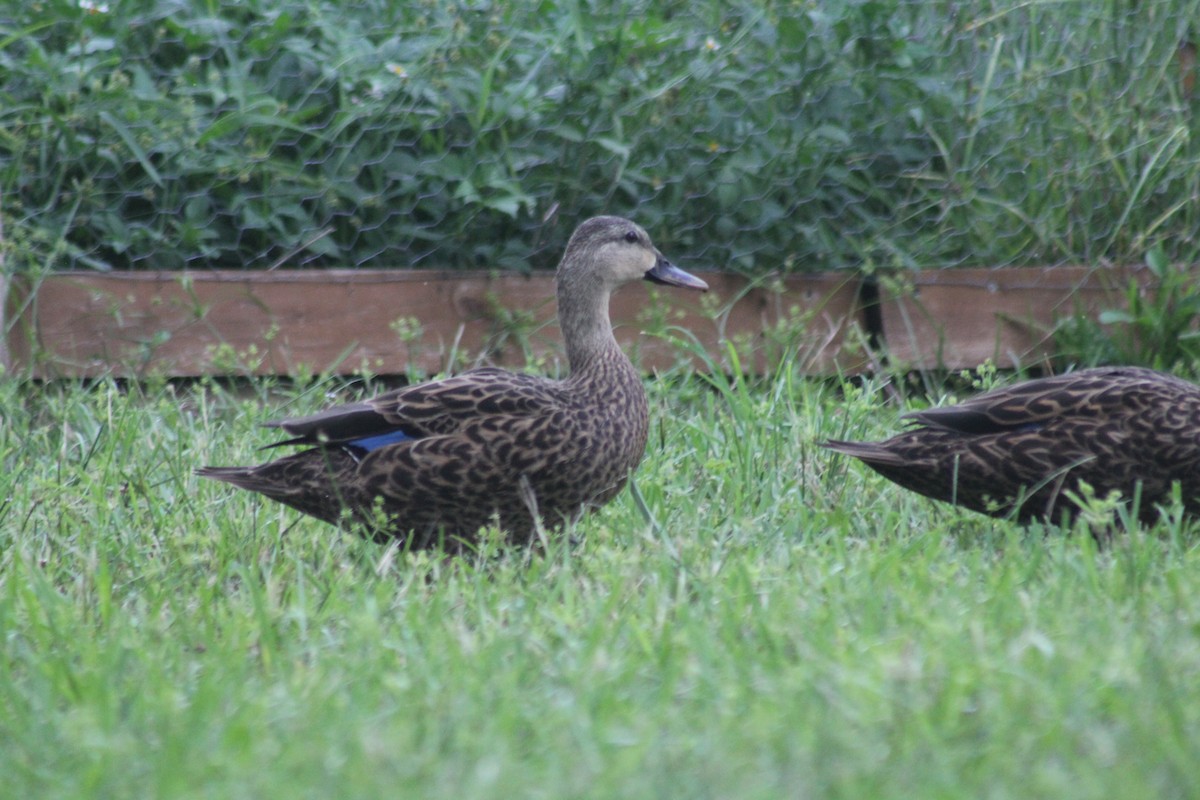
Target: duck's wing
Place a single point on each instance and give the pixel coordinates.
(1094, 393)
(427, 409)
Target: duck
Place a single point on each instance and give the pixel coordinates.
(432, 464)
(1024, 451)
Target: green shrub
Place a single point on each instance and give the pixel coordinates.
(757, 136)
(1153, 325)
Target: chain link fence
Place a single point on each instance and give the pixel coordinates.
(758, 137)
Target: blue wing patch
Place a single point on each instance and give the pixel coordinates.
(370, 443)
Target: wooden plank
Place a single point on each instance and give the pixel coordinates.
(347, 321)
(5, 357)
(959, 318)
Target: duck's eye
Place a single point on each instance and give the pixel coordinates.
(631, 236)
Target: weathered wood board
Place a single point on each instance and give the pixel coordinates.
(960, 318)
(388, 322)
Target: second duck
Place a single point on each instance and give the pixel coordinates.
(1023, 450)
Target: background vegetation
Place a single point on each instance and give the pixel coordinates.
(161, 134)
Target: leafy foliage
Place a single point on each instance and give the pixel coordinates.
(1156, 327)
(758, 135)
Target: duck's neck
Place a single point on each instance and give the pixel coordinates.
(586, 327)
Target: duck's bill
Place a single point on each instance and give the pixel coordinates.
(668, 274)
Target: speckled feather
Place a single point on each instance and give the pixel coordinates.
(487, 446)
(1018, 450)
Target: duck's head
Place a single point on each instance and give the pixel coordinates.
(615, 251)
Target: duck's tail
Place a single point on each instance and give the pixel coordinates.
(868, 452)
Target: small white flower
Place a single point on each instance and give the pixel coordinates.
(397, 70)
(711, 44)
(93, 7)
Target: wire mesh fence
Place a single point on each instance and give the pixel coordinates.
(757, 136)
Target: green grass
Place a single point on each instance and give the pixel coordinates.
(793, 627)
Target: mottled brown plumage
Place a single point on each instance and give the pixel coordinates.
(432, 464)
(1018, 450)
